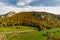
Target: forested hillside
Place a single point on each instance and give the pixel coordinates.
(40, 20)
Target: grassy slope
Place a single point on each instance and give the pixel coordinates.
(32, 35)
(36, 35)
(12, 29)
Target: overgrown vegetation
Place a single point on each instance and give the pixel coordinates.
(40, 20)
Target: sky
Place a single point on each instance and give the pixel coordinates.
(52, 6)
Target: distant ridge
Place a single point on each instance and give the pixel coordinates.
(8, 14)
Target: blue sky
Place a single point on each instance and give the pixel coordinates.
(15, 5)
(52, 3)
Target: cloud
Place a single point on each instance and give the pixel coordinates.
(24, 2)
(5, 9)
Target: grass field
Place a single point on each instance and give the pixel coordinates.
(15, 28)
(31, 35)
(35, 35)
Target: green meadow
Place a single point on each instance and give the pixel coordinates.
(22, 33)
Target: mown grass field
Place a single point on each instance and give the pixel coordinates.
(32, 35)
